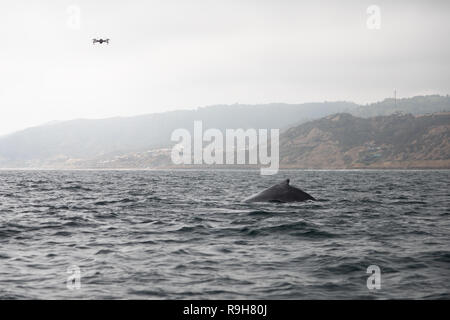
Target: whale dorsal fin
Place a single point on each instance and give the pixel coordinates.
(285, 182)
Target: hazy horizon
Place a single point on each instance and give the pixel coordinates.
(172, 55)
(190, 109)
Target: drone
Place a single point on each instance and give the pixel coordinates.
(100, 41)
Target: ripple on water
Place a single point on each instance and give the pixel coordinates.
(186, 234)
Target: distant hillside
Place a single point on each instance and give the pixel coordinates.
(415, 105)
(61, 142)
(144, 141)
(345, 141)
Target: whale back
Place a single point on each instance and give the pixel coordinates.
(281, 192)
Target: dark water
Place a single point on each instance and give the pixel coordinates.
(186, 235)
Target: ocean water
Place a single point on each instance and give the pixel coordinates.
(187, 235)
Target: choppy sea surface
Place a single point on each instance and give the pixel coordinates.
(187, 235)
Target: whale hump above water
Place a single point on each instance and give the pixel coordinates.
(281, 192)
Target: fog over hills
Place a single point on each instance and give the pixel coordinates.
(414, 105)
(92, 138)
(92, 143)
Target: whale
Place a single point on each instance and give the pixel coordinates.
(281, 192)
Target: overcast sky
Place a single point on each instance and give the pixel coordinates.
(167, 55)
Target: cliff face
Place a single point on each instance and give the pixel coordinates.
(345, 141)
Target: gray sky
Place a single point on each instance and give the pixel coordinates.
(167, 55)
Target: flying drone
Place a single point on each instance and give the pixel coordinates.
(94, 41)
